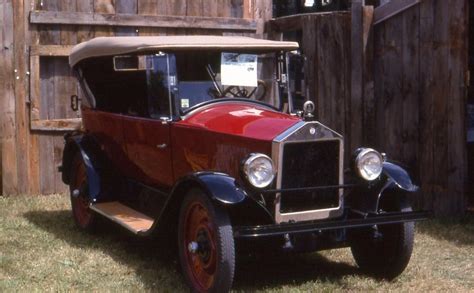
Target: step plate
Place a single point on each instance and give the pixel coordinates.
(125, 216)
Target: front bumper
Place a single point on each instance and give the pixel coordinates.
(316, 226)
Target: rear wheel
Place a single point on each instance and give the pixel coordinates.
(206, 244)
(385, 250)
(83, 216)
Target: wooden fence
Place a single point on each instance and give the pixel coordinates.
(37, 36)
(395, 78)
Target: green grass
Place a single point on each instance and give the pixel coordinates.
(41, 250)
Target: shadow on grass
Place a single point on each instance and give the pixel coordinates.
(457, 230)
(289, 269)
(145, 255)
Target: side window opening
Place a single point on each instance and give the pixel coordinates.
(122, 92)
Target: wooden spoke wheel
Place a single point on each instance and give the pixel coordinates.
(80, 200)
(206, 244)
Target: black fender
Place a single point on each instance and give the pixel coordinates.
(223, 190)
(86, 147)
(399, 177)
(394, 180)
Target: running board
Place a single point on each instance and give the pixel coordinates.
(121, 214)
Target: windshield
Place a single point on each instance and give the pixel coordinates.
(168, 85)
(200, 77)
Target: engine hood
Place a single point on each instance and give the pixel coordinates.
(241, 118)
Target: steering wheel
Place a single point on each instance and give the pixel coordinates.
(240, 92)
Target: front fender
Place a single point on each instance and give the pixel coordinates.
(222, 189)
(399, 176)
(366, 197)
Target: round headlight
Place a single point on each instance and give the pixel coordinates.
(259, 171)
(368, 163)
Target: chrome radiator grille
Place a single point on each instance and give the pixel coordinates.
(310, 164)
(308, 154)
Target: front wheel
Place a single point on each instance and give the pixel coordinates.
(385, 250)
(206, 244)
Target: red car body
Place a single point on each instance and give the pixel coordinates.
(216, 138)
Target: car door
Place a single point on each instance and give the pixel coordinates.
(147, 131)
(148, 147)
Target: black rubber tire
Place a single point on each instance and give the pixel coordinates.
(224, 243)
(84, 218)
(388, 256)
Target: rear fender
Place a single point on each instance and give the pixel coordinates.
(86, 148)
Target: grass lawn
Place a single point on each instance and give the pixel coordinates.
(41, 250)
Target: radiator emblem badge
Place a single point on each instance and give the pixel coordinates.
(312, 130)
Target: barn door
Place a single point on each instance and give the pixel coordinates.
(51, 85)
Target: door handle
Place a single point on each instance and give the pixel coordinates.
(161, 146)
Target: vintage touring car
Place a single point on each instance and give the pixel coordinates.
(209, 141)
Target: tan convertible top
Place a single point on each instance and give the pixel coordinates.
(107, 46)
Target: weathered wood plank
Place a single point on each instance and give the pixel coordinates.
(409, 95)
(177, 7)
(196, 8)
(149, 7)
(357, 66)
(379, 83)
(392, 99)
(102, 19)
(46, 150)
(58, 146)
(440, 93)
(456, 140)
(426, 140)
(84, 33)
(61, 125)
(126, 7)
(20, 55)
(7, 104)
(52, 35)
(368, 115)
(263, 12)
(68, 34)
(392, 8)
(49, 33)
(102, 6)
(64, 87)
(236, 8)
(248, 11)
(32, 37)
(51, 50)
(2, 76)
